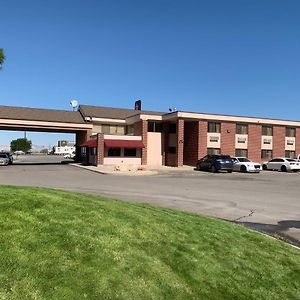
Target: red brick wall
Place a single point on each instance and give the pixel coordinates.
(171, 160)
(228, 138)
(191, 137)
(278, 141)
(202, 140)
(297, 141)
(144, 127)
(180, 142)
(254, 142)
(100, 149)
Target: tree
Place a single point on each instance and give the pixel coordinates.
(44, 151)
(2, 57)
(20, 145)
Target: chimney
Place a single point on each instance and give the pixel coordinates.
(138, 105)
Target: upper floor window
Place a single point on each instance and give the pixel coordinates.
(214, 127)
(113, 129)
(290, 132)
(241, 129)
(154, 127)
(267, 130)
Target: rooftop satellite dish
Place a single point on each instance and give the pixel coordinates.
(74, 104)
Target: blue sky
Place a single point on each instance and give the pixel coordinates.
(230, 57)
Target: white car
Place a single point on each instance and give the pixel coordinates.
(282, 164)
(243, 164)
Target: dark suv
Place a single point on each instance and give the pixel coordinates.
(215, 163)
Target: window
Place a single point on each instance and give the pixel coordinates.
(214, 127)
(267, 141)
(267, 130)
(214, 139)
(172, 128)
(213, 151)
(83, 151)
(266, 154)
(112, 129)
(130, 152)
(114, 152)
(241, 152)
(129, 130)
(93, 151)
(241, 129)
(154, 127)
(172, 150)
(290, 154)
(105, 129)
(241, 140)
(290, 132)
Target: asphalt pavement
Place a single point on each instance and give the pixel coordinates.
(269, 201)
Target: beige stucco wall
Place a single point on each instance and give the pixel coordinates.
(122, 161)
(266, 146)
(241, 137)
(290, 147)
(213, 135)
(154, 153)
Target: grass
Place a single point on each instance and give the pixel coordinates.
(60, 245)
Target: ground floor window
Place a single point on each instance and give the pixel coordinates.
(114, 152)
(290, 154)
(266, 154)
(93, 151)
(130, 152)
(83, 151)
(241, 152)
(213, 151)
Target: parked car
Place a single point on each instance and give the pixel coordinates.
(243, 164)
(4, 159)
(215, 163)
(70, 155)
(282, 164)
(10, 157)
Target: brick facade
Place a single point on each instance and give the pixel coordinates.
(254, 142)
(228, 138)
(180, 142)
(100, 149)
(144, 132)
(297, 141)
(278, 141)
(191, 138)
(202, 144)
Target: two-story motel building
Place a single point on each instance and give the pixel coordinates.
(137, 137)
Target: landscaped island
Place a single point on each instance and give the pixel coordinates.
(60, 245)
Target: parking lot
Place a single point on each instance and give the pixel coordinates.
(267, 201)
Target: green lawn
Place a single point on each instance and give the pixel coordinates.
(59, 245)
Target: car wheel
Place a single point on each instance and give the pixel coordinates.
(243, 169)
(283, 169)
(213, 169)
(265, 167)
(229, 171)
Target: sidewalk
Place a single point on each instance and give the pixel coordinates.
(134, 170)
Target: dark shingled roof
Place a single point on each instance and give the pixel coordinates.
(112, 113)
(40, 114)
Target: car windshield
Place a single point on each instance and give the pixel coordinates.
(244, 159)
(289, 159)
(3, 155)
